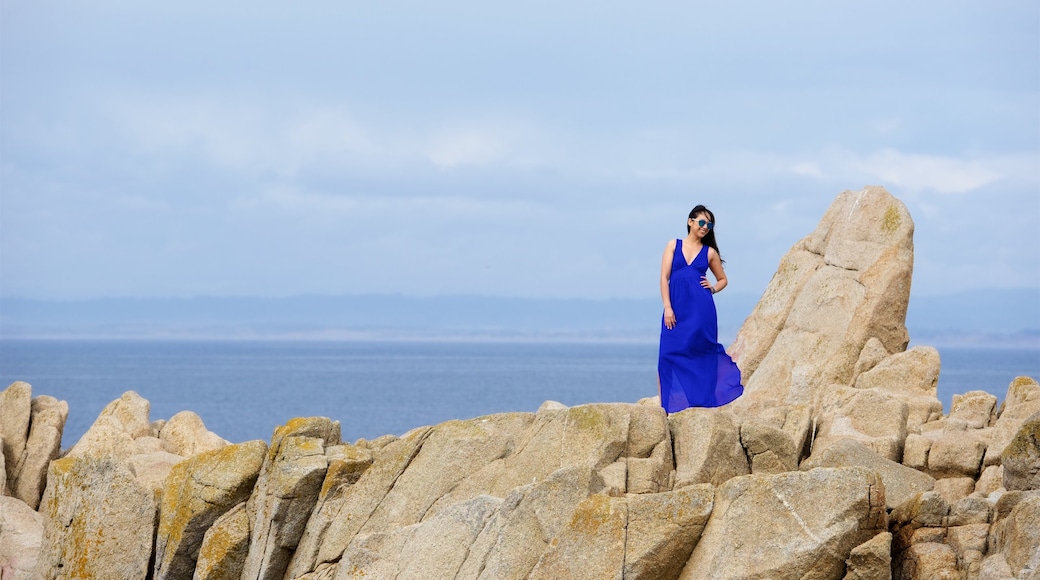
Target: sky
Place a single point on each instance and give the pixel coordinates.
(524, 149)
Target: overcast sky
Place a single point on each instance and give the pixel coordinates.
(531, 149)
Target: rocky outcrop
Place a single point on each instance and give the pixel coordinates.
(30, 437)
(197, 492)
(835, 290)
(806, 524)
(838, 463)
(1021, 457)
(98, 521)
(21, 537)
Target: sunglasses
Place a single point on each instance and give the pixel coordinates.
(702, 223)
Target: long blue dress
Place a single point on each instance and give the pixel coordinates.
(693, 367)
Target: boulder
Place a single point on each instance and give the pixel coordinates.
(346, 514)
(21, 537)
(1022, 401)
(915, 451)
(592, 545)
(652, 474)
(662, 530)
(285, 492)
(530, 517)
(977, 409)
(197, 492)
(114, 431)
(29, 473)
(806, 524)
(437, 477)
(873, 352)
(901, 482)
(970, 510)
(435, 548)
(186, 435)
(222, 554)
(707, 447)
(931, 560)
(152, 469)
(953, 489)
(956, 454)
(98, 519)
(347, 463)
(15, 413)
(913, 372)
(995, 567)
(847, 282)
(912, 376)
(870, 416)
(647, 536)
(768, 449)
(991, 480)
(871, 560)
(1017, 537)
(1021, 457)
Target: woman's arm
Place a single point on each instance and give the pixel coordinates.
(666, 274)
(715, 263)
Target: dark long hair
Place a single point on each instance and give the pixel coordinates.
(710, 238)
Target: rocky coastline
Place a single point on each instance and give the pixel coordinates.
(838, 462)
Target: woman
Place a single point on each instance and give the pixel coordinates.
(693, 369)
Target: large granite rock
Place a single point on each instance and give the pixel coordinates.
(1021, 457)
(871, 560)
(769, 448)
(529, 519)
(911, 376)
(114, 431)
(99, 521)
(186, 435)
(1017, 537)
(435, 548)
(15, 413)
(1021, 401)
(806, 524)
(21, 537)
(197, 492)
(222, 554)
(872, 417)
(29, 474)
(285, 492)
(346, 514)
(901, 482)
(847, 282)
(707, 447)
(646, 537)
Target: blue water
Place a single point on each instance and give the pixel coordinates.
(243, 390)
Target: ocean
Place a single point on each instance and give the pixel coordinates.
(244, 389)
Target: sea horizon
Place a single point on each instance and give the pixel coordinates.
(243, 389)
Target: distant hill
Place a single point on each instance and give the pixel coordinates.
(983, 317)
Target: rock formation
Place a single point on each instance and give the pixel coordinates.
(837, 463)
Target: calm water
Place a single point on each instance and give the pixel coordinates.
(243, 390)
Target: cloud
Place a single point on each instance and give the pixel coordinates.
(920, 172)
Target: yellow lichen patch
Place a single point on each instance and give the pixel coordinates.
(587, 418)
(592, 514)
(891, 221)
(1022, 382)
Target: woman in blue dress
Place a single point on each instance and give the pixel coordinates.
(693, 369)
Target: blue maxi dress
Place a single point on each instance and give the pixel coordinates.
(693, 368)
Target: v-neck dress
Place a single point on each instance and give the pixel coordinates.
(693, 368)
